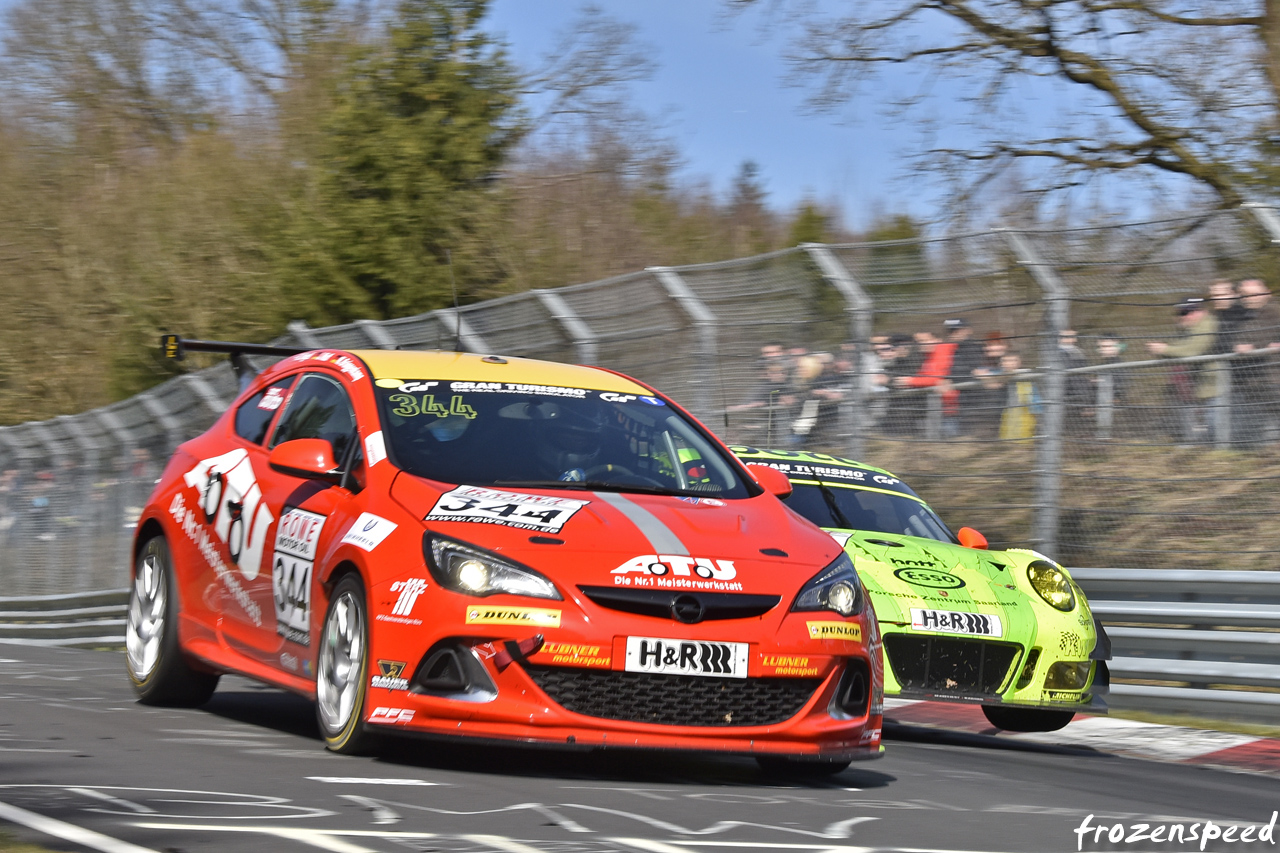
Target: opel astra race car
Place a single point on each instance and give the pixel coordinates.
(1009, 629)
(447, 544)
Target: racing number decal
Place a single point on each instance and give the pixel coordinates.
(512, 509)
(408, 406)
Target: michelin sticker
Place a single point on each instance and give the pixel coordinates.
(368, 531)
(292, 566)
(510, 509)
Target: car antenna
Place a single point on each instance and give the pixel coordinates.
(457, 312)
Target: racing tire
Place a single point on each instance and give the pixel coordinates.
(1026, 719)
(800, 768)
(157, 669)
(342, 670)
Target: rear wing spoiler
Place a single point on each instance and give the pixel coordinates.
(177, 347)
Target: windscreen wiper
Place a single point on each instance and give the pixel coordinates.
(830, 498)
(595, 486)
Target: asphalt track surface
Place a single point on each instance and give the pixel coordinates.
(247, 772)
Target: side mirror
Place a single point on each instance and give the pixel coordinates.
(971, 538)
(774, 481)
(308, 458)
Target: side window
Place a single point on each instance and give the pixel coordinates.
(319, 408)
(255, 414)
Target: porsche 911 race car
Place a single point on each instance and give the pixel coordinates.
(449, 544)
(1009, 629)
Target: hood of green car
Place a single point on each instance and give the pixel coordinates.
(901, 572)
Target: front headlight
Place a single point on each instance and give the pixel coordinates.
(1051, 583)
(834, 588)
(471, 571)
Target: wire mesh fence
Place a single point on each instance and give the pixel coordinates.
(1008, 375)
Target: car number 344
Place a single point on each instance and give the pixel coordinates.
(686, 657)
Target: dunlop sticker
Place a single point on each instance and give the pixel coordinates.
(531, 616)
(835, 631)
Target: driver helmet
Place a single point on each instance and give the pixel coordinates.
(568, 441)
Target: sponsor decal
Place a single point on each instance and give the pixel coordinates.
(409, 406)
(368, 531)
(675, 565)
(409, 591)
(230, 502)
(931, 578)
(793, 665)
(391, 715)
(532, 616)
(850, 631)
(611, 397)
(572, 654)
(653, 401)
(399, 620)
(920, 564)
(702, 501)
(871, 736)
(349, 366)
(951, 622)
(513, 388)
(686, 657)
(198, 533)
(293, 563)
(390, 676)
(375, 449)
(388, 383)
(272, 399)
(289, 662)
(510, 509)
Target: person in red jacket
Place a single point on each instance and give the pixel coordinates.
(934, 372)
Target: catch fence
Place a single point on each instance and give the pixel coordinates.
(1100, 455)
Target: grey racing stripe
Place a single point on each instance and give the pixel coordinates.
(661, 537)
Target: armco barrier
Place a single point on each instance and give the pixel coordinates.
(1200, 643)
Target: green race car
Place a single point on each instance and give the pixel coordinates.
(1009, 629)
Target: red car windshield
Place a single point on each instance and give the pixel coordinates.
(492, 434)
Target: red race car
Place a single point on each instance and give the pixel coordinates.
(446, 544)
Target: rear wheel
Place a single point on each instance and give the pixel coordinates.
(341, 673)
(799, 768)
(157, 669)
(1026, 719)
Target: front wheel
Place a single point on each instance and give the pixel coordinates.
(157, 669)
(341, 673)
(1026, 719)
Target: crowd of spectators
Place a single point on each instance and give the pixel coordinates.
(960, 384)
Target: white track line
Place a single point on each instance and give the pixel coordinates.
(68, 831)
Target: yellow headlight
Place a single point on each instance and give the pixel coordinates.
(1052, 585)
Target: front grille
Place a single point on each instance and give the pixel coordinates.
(947, 665)
(674, 700)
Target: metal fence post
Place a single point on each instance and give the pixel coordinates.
(586, 343)
(1044, 528)
(1267, 217)
(705, 324)
(860, 311)
(377, 335)
(1221, 404)
(1106, 404)
(465, 337)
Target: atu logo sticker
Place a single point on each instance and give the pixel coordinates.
(931, 578)
(231, 503)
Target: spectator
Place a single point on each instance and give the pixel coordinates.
(1077, 387)
(1193, 388)
(1111, 387)
(1022, 402)
(1253, 377)
(905, 414)
(772, 398)
(934, 372)
(989, 399)
(965, 362)
(1227, 308)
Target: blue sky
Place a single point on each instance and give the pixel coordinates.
(719, 83)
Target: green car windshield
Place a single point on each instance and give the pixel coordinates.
(851, 508)
(491, 434)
